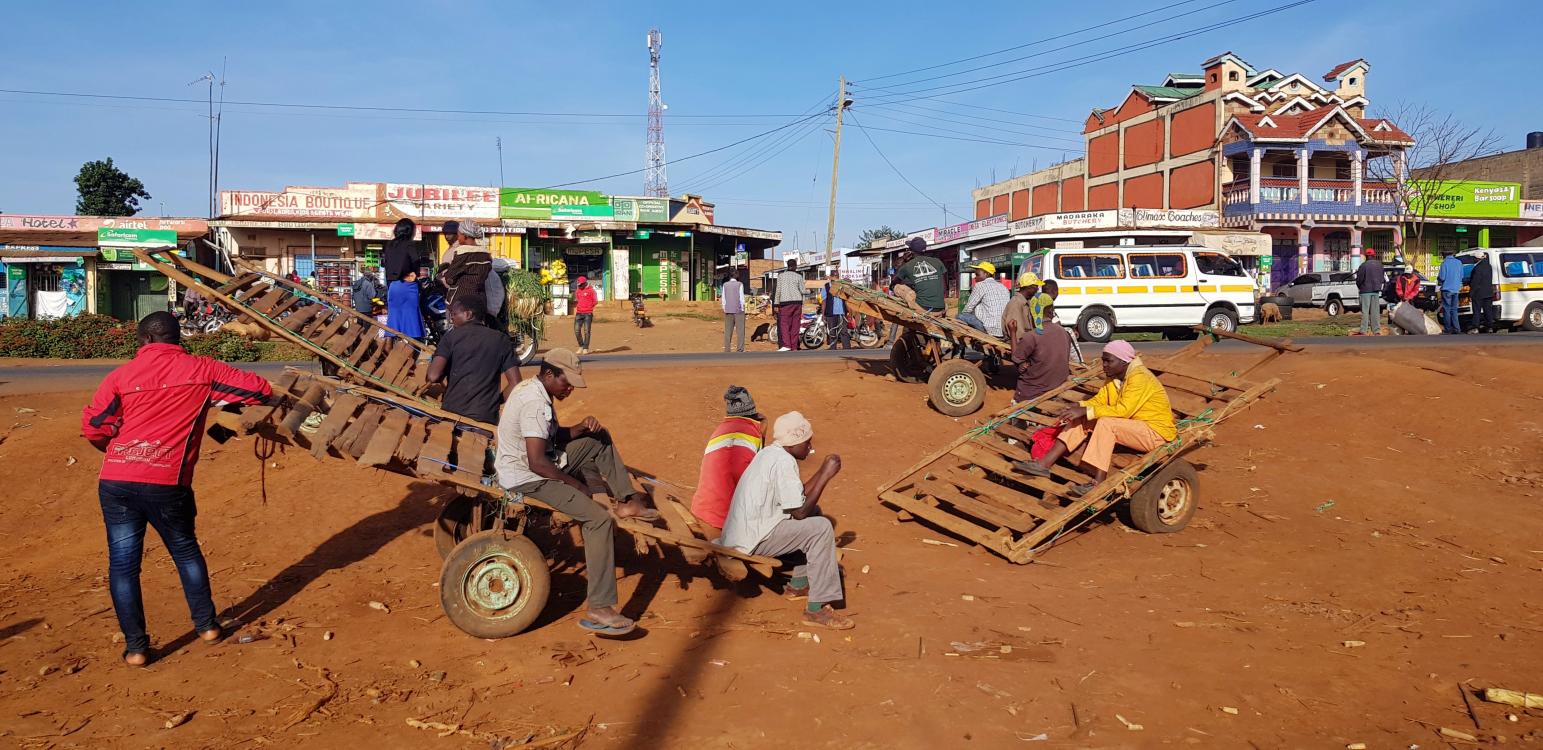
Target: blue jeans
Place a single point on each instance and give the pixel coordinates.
(971, 320)
(126, 508)
(1371, 312)
(1449, 313)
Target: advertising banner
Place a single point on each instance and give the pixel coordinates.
(537, 204)
(1532, 210)
(29, 222)
(1199, 218)
(1467, 199)
(114, 237)
(352, 201)
(440, 201)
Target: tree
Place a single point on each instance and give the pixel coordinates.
(1427, 169)
(106, 190)
(868, 236)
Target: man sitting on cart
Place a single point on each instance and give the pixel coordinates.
(536, 457)
(1131, 409)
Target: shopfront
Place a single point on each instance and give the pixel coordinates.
(46, 281)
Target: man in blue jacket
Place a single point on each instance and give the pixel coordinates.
(1449, 277)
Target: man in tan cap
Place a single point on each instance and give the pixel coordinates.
(773, 513)
(539, 458)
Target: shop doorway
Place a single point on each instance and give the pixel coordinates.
(131, 295)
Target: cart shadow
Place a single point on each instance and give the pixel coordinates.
(348, 546)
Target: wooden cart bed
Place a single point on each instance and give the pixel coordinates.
(890, 309)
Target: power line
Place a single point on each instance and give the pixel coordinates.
(750, 153)
(896, 169)
(366, 108)
(916, 109)
(966, 139)
(1028, 44)
(1062, 48)
(887, 109)
(997, 80)
(806, 132)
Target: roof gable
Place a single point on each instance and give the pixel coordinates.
(1166, 93)
(1226, 57)
(1300, 127)
(1345, 67)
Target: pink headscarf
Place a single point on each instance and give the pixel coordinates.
(1122, 350)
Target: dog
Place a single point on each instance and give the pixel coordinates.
(1269, 313)
(762, 333)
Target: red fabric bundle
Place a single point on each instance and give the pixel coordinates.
(1044, 438)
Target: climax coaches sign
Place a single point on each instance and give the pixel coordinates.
(445, 201)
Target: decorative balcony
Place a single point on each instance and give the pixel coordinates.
(1284, 195)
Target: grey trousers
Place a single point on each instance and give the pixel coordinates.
(598, 453)
(1371, 312)
(733, 322)
(816, 538)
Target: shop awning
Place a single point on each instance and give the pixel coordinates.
(44, 253)
(752, 234)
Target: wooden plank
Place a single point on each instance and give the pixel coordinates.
(296, 320)
(358, 434)
(238, 282)
(1184, 369)
(382, 446)
(247, 294)
(1053, 490)
(291, 302)
(326, 332)
(994, 540)
(992, 462)
(267, 300)
(471, 454)
(435, 452)
(364, 350)
(407, 450)
(251, 416)
(393, 362)
(983, 511)
(332, 425)
(343, 343)
(1000, 494)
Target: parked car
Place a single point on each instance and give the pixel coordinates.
(1334, 292)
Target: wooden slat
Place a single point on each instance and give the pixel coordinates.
(1001, 495)
(407, 450)
(291, 302)
(268, 300)
(238, 282)
(996, 540)
(343, 343)
(435, 452)
(993, 462)
(983, 511)
(357, 436)
(249, 293)
(1186, 369)
(365, 349)
(471, 454)
(1055, 490)
(251, 416)
(343, 407)
(297, 320)
(382, 446)
(326, 332)
(392, 362)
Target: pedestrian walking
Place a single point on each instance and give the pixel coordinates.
(148, 418)
(1369, 280)
(733, 299)
(403, 311)
(364, 291)
(1481, 293)
(789, 300)
(1449, 278)
(584, 300)
(402, 254)
(835, 311)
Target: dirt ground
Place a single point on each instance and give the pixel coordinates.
(1368, 541)
(696, 333)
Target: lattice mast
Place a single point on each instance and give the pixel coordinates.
(655, 183)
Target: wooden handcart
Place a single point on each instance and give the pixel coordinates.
(379, 413)
(972, 490)
(931, 349)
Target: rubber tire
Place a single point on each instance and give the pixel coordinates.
(1334, 308)
(524, 348)
(1222, 312)
(450, 527)
(905, 359)
(1180, 334)
(1143, 506)
(1097, 313)
(865, 338)
(953, 369)
(1532, 317)
(812, 342)
(517, 551)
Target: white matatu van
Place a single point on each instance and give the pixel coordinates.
(1518, 273)
(1161, 288)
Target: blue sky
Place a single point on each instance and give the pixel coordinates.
(760, 63)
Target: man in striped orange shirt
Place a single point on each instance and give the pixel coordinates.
(733, 444)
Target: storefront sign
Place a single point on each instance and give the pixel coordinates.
(526, 203)
(1467, 198)
(1236, 243)
(345, 230)
(1532, 210)
(977, 228)
(116, 237)
(1108, 219)
(446, 201)
(1159, 217)
(352, 201)
(691, 211)
(26, 222)
(655, 210)
(594, 238)
(582, 212)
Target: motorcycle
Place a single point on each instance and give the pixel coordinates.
(814, 333)
(436, 323)
(207, 318)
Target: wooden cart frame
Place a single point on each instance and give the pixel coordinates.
(932, 348)
(380, 414)
(971, 488)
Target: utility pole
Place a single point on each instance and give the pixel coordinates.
(219, 119)
(835, 164)
(209, 78)
(499, 140)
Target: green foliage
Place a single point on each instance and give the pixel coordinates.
(885, 232)
(106, 190)
(103, 337)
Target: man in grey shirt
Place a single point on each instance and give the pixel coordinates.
(1369, 280)
(733, 296)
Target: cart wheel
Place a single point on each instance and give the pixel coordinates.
(905, 359)
(454, 523)
(494, 584)
(957, 388)
(1166, 502)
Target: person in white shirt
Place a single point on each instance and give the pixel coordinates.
(733, 312)
(773, 513)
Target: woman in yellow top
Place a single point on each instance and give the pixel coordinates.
(1131, 409)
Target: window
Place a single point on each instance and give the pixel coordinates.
(1513, 265)
(1213, 78)
(1351, 81)
(1089, 266)
(46, 278)
(1304, 279)
(1241, 166)
(1216, 264)
(1157, 265)
(1232, 75)
(1342, 170)
(1283, 169)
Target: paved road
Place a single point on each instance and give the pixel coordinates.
(57, 378)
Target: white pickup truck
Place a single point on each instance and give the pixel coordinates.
(1334, 292)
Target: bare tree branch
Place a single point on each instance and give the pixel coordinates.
(1441, 141)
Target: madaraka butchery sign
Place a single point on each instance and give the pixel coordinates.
(352, 201)
(440, 201)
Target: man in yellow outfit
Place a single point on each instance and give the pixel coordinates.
(1131, 409)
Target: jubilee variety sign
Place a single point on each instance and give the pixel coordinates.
(440, 201)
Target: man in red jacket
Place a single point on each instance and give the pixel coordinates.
(584, 299)
(148, 417)
(730, 449)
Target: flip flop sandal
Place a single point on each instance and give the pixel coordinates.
(600, 628)
(647, 516)
(1031, 467)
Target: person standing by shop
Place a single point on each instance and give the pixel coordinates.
(402, 254)
(835, 311)
(733, 297)
(1481, 292)
(364, 291)
(584, 299)
(1369, 280)
(790, 306)
(1449, 278)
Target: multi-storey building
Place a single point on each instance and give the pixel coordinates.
(1273, 153)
